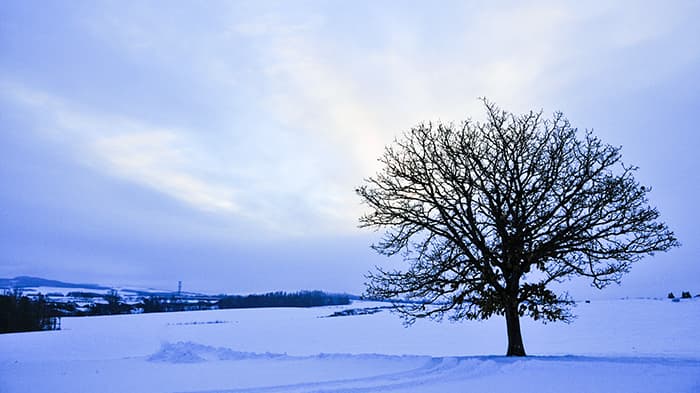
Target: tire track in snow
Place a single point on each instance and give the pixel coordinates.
(434, 371)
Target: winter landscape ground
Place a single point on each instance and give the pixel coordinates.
(633, 345)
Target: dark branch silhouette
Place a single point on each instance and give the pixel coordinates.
(489, 214)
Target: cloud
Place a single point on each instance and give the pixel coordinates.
(272, 181)
(159, 158)
(154, 159)
(288, 107)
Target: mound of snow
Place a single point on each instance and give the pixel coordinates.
(190, 352)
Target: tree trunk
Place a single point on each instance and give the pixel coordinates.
(515, 338)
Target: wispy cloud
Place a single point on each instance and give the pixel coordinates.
(275, 187)
(158, 158)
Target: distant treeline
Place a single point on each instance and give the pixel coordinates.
(22, 313)
(272, 299)
(283, 299)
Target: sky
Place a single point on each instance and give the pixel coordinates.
(220, 142)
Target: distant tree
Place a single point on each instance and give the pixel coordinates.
(115, 305)
(490, 214)
(113, 302)
(686, 295)
(154, 304)
(671, 295)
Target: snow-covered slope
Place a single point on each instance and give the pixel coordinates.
(615, 346)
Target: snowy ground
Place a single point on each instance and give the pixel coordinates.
(613, 346)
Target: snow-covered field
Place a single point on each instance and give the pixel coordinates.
(613, 346)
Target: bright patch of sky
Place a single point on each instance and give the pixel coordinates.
(219, 143)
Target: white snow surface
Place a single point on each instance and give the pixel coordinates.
(641, 345)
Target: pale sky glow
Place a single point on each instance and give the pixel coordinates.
(219, 143)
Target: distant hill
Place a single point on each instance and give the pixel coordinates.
(32, 282)
(27, 282)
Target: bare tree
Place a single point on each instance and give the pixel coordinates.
(490, 214)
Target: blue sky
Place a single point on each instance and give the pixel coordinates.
(219, 143)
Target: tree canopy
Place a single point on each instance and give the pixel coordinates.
(490, 214)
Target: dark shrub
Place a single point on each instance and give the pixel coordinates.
(22, 314)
